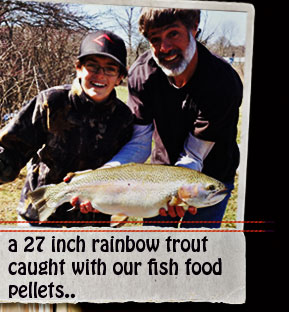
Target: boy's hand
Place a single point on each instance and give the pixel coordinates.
(84, 207)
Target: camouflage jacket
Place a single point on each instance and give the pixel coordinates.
(61, 130)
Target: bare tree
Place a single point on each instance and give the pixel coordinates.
(223, 45)
(206, 33)
(124, 21)
(43, 14)
(39, 42)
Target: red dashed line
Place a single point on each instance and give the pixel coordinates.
(145, 231)
(129, 230)
(134, 222)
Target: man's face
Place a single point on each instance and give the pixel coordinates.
(99, 75)
(173, 47)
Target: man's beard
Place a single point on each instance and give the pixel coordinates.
(177, 68)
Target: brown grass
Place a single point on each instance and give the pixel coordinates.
(9, 197)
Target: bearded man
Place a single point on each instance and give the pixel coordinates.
(188, 99)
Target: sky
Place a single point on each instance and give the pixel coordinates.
(234, 22)
(230, 24)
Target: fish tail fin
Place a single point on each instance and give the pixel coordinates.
(44, 201)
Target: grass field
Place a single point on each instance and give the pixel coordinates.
(10, 192)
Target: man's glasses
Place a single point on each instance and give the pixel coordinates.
(107, 70)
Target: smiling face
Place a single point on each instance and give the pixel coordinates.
(173, 47)
(99, 75)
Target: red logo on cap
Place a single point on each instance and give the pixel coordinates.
(97, 40)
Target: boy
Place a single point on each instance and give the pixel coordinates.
(71, 127)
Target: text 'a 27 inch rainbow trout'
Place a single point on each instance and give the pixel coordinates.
(138, 190)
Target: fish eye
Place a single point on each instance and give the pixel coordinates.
(211, 187)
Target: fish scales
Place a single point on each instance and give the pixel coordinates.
(138, 190)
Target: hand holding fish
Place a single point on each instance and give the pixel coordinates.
(86, 206)
(173, 211)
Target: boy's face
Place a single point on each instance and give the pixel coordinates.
(99, 75)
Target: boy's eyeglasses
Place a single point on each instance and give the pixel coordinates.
(107, 70)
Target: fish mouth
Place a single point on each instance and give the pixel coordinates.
(221, 193)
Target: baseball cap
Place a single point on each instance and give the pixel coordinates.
(104, 42)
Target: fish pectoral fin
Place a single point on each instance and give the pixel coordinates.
(175, 201)
(184, 205)
(118, 220)
(72, 209)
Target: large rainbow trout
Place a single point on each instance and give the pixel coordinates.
(138, 190)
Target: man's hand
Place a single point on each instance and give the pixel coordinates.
(174, 211)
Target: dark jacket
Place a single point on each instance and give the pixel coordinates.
(207, 107)
(61, 130)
